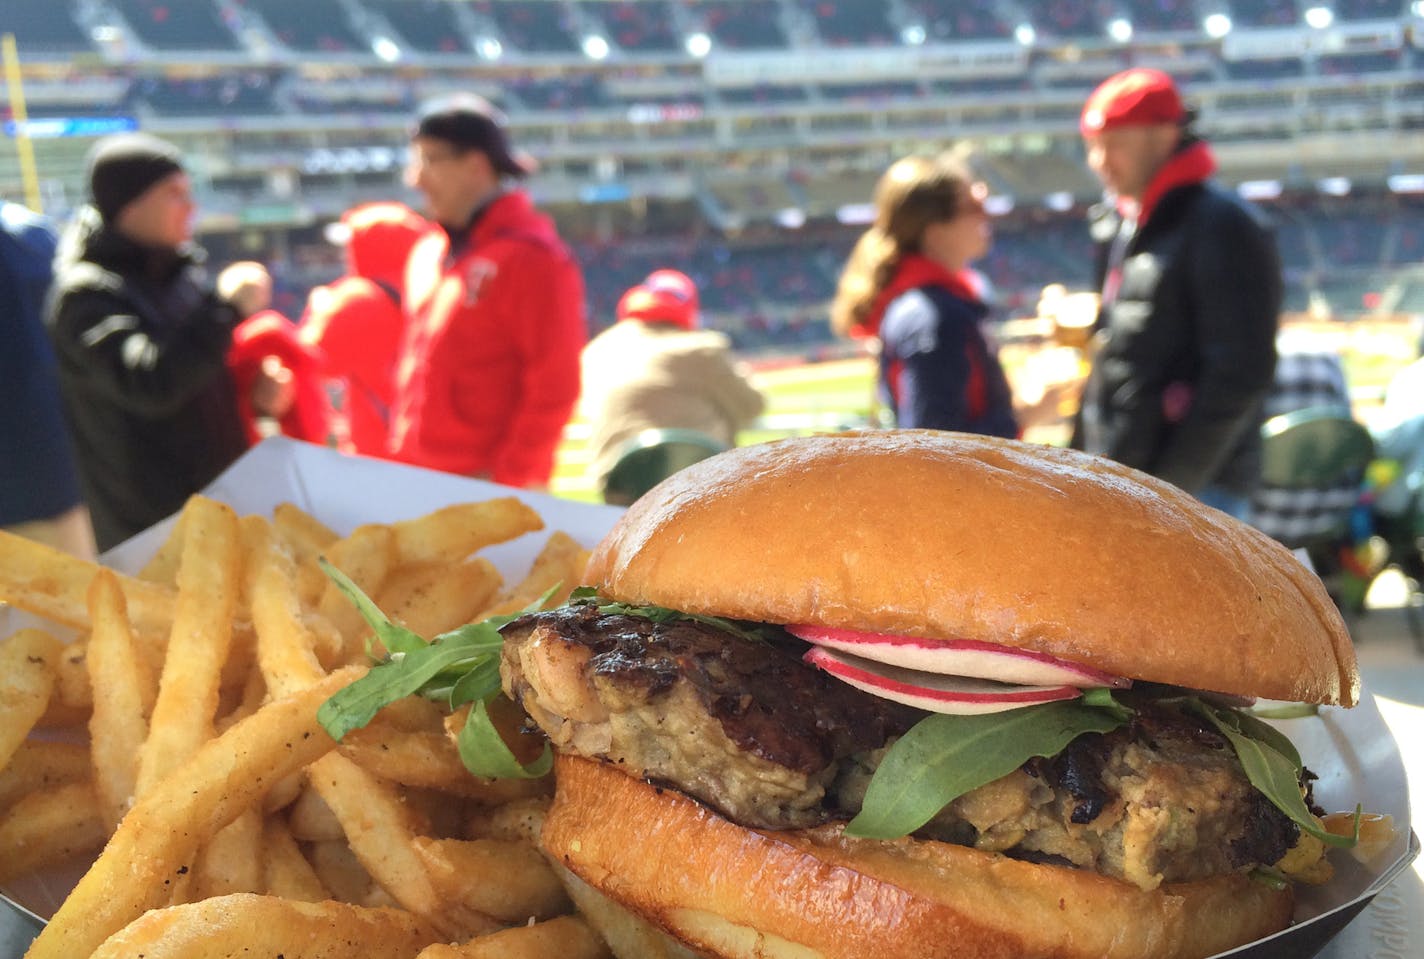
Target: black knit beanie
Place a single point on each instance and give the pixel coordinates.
(123, 167)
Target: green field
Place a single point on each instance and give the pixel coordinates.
(801, 399)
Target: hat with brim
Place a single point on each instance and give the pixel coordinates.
(1137, 97)
(470, 122)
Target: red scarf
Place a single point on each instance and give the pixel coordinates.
(914, 272)
(1186, 167)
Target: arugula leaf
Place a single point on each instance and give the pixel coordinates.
(943, 757)
(1102, 698)
(484, 752)
(396, 639)
(1273, 767)
(753, 632)
(1285, 711)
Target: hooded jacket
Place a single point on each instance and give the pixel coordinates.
(935, 364)
(141, 341)
(489, 367)
(1186, 338)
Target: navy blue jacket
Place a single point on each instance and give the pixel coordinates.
(938, 368)
(37, 474)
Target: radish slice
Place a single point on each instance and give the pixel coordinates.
(959, 657)
(955, 695)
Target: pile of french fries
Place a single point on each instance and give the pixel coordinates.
(175, 736)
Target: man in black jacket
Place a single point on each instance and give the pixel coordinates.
(1191, 291)
(141, 339)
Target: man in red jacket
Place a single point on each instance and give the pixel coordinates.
(488, 372)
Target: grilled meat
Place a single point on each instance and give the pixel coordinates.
(750, 730)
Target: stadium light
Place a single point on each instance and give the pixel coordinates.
(1319, 17)
(1059, 202)
(791, 218)
(856, 214)
(1259, 189)
(1120, 29)
(998, 204)
(1334, 186)
(595, 47)
(489, 48)
(1406, 182)
(1025, 34)
(1417, 8)
(1217, 25)
(386, 49)
(698, 44)
(913, 35)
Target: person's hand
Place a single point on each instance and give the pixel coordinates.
(247, 286)
(274, 390)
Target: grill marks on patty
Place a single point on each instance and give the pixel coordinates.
(745, 727)
(750, 730)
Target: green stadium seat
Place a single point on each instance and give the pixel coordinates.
(1314, 448)
(651, 457)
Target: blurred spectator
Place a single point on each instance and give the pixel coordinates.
(39, 484)
(141, 339)
(655, 369)
(1298, 516)
(488, 372)
(357, 322)
(908, 283)
(1191, 288)
(273, 371)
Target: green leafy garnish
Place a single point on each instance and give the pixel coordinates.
(458, 667)
(1273, 767)
(484, 752)
(943, 757)
(1268, 877)
(1102, 698)
(1286, 711)
(754, 632)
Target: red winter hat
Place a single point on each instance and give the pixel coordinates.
(1132, 98)
(666, 296)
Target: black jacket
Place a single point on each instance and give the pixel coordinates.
(1186, 351)
(141, 342)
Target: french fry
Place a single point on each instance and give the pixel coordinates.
(304, 534)
(50, 827)
(162, 567)
(42, 765)
(559, 564)
(117, 727)
(52, 584)
(340, 871)
(285, 653)
(231, 861)
(567, 937)
(28, 661)
(284, 792)
(286, 872)
(255, 535)
(449, 535)
(162, 832)
(366, 557)
(524, 886)
(311, 819)
(427, 760)
(520, 819)
(269, 926)
(71, 673)
(198, 645)
(432, 598)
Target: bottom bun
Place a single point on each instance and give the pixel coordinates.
(736, 893)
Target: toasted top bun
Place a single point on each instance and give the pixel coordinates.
(946, 535)
(735, 893)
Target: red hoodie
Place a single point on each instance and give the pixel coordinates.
(358, 320)
(269, 333)
(489, 368)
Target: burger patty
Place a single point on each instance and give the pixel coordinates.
(744, 727)
(749, 729)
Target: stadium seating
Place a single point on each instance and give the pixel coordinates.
(315, 26)
(740, 26)
(949, 20)
(177, 25)
(44, 26)
(1065, 18)
(533, 26)
(1368, 9)
(762, 93)
(249, 93)
(426, 25)
(1264, 13)
(580, 91)
(643, 27)
(1163, 16)
(850, 22)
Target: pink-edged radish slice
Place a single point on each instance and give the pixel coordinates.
(959, 657)
(955, 695)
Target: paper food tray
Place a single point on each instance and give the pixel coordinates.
(1352, 751)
